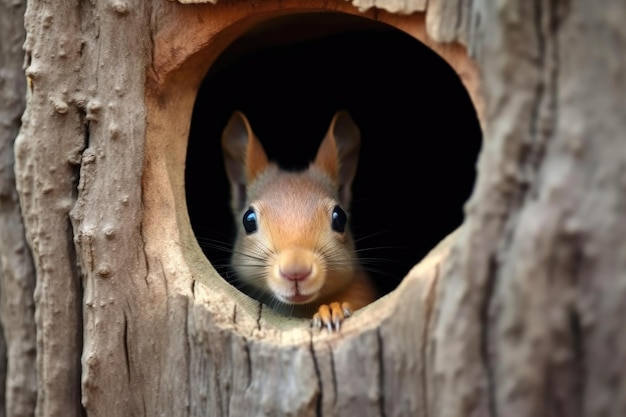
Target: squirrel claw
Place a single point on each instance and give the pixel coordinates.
(331, 315)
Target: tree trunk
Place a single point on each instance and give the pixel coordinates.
(517, 313)
(18, 376)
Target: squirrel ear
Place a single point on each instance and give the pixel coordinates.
(338, 153)
(244, 157)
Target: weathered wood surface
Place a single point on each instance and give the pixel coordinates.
(518, 314)
(47, 158)
(18, 389)
(391, 6)
(529, 318)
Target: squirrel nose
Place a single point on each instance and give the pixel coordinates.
(295, 272)
(295, 265)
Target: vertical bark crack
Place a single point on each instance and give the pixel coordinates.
(259, 315)
(86, 123)
(187, 346)
(246, 351)
(485, 335)
(554, 25)
(217, 388)
(381, 373)
(320, 396)
(579, 353)
(541, 62)
(125, 345)
(333, 375)
(151, 32)
(543, 117)
(576, 328)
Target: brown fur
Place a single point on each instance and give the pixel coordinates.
(293, 212)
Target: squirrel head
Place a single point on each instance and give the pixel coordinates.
(293, 242)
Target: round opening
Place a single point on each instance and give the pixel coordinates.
(420, 132)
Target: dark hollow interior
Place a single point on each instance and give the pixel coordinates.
(420, 132)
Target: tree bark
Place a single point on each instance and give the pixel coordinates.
(48, 153)
(528, 318)
(18, 390)
(517, 313)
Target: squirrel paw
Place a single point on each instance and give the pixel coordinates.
(331, 315)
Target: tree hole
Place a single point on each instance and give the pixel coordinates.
(420, 132)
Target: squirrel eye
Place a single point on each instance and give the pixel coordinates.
(339, 219)
(249, 221)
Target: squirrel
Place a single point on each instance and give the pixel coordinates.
(293, 247)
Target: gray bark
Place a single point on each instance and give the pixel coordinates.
(18, 390)
(48, 151)
(529, 316)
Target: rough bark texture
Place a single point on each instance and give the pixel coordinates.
(528, 313)
(17, 275)
(518, 313)
(393, 6)
(404, 7)
(86, 67)
(48, 155)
